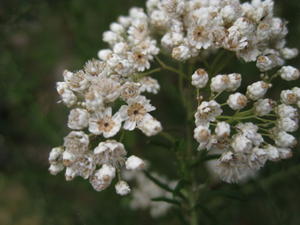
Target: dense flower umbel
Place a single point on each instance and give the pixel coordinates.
(247, 139)
(90, 94)
(107, 95)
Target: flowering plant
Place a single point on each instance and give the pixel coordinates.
(234, 123)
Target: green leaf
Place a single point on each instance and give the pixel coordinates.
(178, 187)
(158, 182)
(168, 200)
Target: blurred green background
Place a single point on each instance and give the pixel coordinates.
(38, 40)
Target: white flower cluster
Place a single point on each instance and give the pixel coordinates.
(249, 29)
(246, 139)
(92, 94)
(107, 94)
(146, 190)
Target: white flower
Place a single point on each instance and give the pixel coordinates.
(140, 60)
(104, 89)
(237, 101)
(94, 68)
(288, 97)
(222, 129)
(285, 140)
(78, 119)
(149, 85)
(200, 78)
(116, 27)
(67, 96)
(76, 81)
(289, 53)
(257, 90)
(158, 19)
(122, 188)
(110, 152)
(240, 143)
(257, 159)
(55, 155)
(175, 7)
(219, 83)
(202, 135)
(272, 152)
(104, 54)
(296, 91)
(250, 131)
(230, 170)
(263, 106)
(103, 177)
(135, 111)
(130, 90)
(134, 163)
(181, 53)
(84, 166)
(207, 111)
(54, 169)
(171, 39)
(235, 80)
(285, 153)
(69, 158)
(70, 174)
(105, 123)
(288, 124)
(286, 111)
(111, 37)
(76, 142)
(149, 126)
(229, 13)
(289, 73)
(265, 63)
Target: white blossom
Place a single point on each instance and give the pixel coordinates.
(122, 188)
(207, 111)
(200, 78)
(285, 140)
(134, 163)
(105, 123)
(263, 107)
(237, 101)
(222, 129)
(67, 96)
(257, 90)
(103, 177)
(78, 119)
(149, 85)
(289, 73)
(149, 125)
(288, 97)
(135, 111)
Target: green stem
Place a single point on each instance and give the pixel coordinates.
(167, 136)
(141, 75)
(166, 67)
(216, 96)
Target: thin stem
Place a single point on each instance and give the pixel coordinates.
(216, 96)
(167, 136)
(181, 89)
(166, 67)
(141, 75)
(265, 120)
(274, 76)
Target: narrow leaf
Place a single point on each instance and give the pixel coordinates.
(168, 200)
